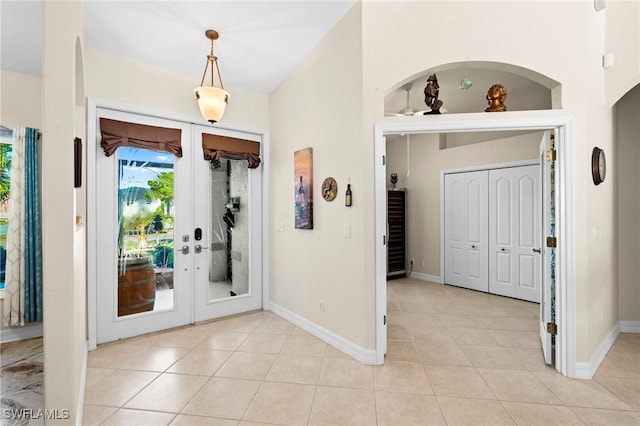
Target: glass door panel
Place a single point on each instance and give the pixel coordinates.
(145, 230)
(228, 230)
(143, 201)
(228, 258)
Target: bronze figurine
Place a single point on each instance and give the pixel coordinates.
(431, 92)
(497, 96)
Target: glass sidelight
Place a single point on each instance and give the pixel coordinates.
(228, 256)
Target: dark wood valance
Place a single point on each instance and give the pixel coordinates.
(215, 147)
(120, 133)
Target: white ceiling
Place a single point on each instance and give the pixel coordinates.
(260, 43)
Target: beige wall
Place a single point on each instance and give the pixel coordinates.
(319, 106)
(627, 129)
(622, 37)
(20, 100)
(460, 34)
(119, 79)
(64, 259)
(426, 162)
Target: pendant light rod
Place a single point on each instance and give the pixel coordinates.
(211, 59)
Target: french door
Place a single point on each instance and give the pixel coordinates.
(177, 241)
(548, 267)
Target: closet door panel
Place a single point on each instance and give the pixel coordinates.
(514, 232)
(527, 181)
(466, 232)
(501, 231)
(477, 231)
(455, 230)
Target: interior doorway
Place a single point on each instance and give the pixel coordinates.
(513, 121)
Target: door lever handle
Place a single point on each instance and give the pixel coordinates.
(537, 250)
(198, 248)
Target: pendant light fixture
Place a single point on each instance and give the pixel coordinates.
(211, 99)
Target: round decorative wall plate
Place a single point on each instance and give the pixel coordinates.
(598, 165)
(329, 189)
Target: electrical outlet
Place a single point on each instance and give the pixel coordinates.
(422, 262)
(321, 306)
(412, 260)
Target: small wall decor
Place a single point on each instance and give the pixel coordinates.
(303, 186)
(348, 200)
(329, 189)
(394, 180)
(496, 96)
(598, 165)
(431, 92)
(77, 163)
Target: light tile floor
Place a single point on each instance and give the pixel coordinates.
(455, 357)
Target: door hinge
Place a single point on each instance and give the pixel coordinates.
(552, 328)
(384, 320)
(551, 155)
(384, 240)
(384, 160)
(552, 241)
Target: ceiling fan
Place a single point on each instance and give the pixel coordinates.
(406, 111)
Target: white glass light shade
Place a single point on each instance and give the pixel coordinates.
(212, 102)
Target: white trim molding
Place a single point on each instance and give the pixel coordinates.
(562, 124)
(629, 326)
(426, 277)
(365, 356)
(586, 370)
(82, 385)
(13, 334)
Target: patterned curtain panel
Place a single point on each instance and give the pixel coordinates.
(23, 285)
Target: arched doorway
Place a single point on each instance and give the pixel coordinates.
(513, 121)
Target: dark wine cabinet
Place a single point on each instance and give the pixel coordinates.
(397, 234)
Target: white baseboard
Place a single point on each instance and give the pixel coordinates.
(83, 382)
(426, 277)
(586, 370)
(630, 326)
(365, 356)
(12, 334)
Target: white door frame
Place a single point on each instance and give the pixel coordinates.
(92, 151)
(565, 218)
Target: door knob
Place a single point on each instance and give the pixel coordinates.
(537, 250)
(502, 249)
(185, 249)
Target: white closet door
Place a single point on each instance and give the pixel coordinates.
(466, 231)
(514, 221)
